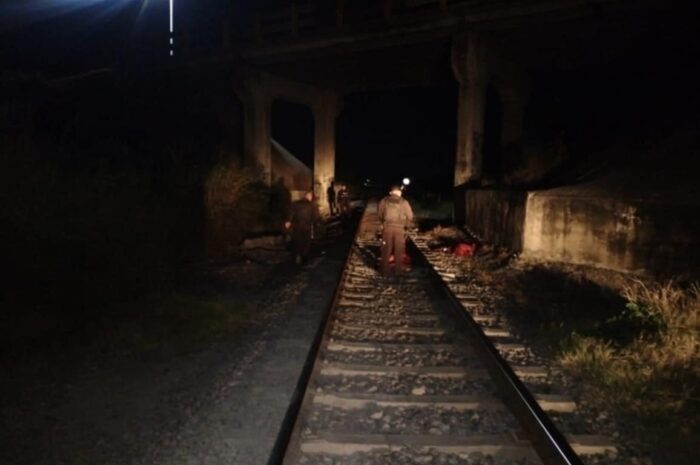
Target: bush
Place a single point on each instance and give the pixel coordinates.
(634, 320)
(87, 232)
(237, 203)
(76, 235)
(654, 380)
(675, 310)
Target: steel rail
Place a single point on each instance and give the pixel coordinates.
(284, 436)
(550, 444)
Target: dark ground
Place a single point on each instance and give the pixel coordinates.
(203, 375)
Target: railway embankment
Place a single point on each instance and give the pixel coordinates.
(206, 378)
(625, 348)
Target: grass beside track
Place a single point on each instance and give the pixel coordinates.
(634, 347)
(651, 380)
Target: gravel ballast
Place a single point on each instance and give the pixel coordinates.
(223, 403)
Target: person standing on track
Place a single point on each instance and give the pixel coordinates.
(330, 193)
(396, 215)
(344, 202)
(301, 224)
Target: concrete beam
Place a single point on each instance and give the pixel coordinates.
(441, 21)
(468, 65)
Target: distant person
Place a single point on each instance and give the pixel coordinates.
(344, 201)
(396, 215)
(330, 193)
(301, 223)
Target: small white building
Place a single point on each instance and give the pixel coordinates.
(298, 177)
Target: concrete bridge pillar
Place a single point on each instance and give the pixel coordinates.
(514, 91)
(257, 127)
(326, 107)
(469, 67)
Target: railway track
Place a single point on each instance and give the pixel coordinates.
(403, 373)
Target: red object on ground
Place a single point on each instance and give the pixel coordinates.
(465, 250)
(406, 260)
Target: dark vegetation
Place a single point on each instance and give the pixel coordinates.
(633, 346)
(114, 193)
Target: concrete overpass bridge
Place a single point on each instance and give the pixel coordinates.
(314, 53)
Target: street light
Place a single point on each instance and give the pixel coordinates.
(170, 18)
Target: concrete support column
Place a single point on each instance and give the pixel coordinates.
(468, 65)
(326, 109)
(339, 14)
(257, 132)
(514, 92)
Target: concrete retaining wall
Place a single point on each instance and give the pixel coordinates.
(625, 234)
(496, 216)
(620, 234)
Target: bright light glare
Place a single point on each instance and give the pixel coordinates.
(406, 181)
(20, 12)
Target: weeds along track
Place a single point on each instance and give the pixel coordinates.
(404, 375)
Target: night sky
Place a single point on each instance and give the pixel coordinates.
(57, 37)
(383, 136)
